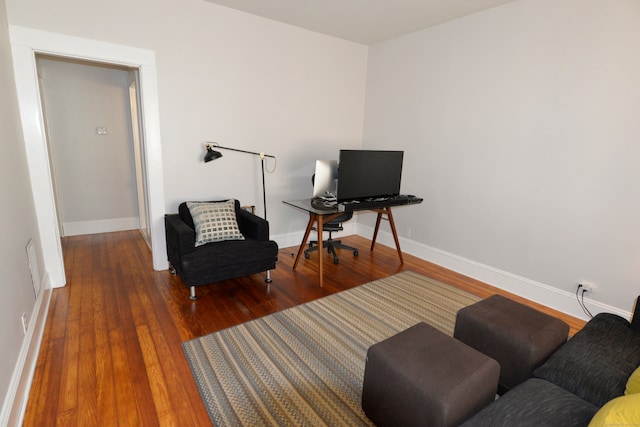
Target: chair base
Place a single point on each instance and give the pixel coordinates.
(331, 246)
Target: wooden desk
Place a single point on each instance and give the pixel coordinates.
(322, 216)
(386, 211)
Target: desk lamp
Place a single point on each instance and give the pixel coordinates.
(212, 155)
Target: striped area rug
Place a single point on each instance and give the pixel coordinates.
(304, 366)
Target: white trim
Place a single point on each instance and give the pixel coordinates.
(15, 403)
(26, 43)
(37, 160)
(78, 228)
(546, 295)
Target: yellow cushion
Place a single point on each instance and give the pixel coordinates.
(633, 385)
(621, 411)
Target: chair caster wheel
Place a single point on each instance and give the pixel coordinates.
(306, 255)
(336, 261)
(355, 253)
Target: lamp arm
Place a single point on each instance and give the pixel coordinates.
(209, 145)
(262, 155)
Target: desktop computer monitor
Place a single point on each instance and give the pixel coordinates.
(367, 174)
(325, 183)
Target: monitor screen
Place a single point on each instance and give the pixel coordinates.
(325, 181)
(364, 174)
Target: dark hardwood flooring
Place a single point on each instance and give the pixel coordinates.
(111, 352)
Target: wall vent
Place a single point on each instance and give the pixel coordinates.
(33, 267)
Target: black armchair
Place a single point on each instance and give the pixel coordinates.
(221, 260)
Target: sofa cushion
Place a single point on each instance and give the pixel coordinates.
(233, 258)
(633, 383)
(535, 403)
(214, 221)
(597, 362)
(621, 411)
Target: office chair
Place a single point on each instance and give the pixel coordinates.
(331, 227)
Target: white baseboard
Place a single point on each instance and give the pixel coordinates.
(100, 226)
(15, 402)
(546, 295)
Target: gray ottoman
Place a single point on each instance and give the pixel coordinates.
(520, 338)
(423, 377)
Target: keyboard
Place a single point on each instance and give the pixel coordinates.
(381, 202)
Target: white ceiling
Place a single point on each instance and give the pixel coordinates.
(362, 21)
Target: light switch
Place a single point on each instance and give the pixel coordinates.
(101, 130)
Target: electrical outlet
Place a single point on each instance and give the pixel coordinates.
(24, 322)
(587, 287)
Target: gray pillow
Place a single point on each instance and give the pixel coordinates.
(214, 221)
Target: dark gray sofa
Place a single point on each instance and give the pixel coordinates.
(217, 261)
(591, 369)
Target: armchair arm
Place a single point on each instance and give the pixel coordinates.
(252, 226)
(181, 239)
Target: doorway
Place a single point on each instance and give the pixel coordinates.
(94, 145)
(25, 44)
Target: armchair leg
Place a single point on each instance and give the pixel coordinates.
(268, 279)
(192, 293)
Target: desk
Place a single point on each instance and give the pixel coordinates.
(322, 216)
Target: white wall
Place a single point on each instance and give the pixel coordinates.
(94, 173)
(521, 128)
(518, 123)
(240, 80)
(19, 221)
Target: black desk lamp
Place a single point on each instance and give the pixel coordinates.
(212, 155)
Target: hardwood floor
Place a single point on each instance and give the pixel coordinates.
(111, 352)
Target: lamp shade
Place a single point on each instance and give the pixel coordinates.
(211, 154)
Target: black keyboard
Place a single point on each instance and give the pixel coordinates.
(380, 202)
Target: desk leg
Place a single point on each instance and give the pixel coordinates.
(395, 234)
(312, 218)
(320, 221)
(392, 223)
(375, 232)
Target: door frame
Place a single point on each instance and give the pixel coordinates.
(139, 155)
(25, 44)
